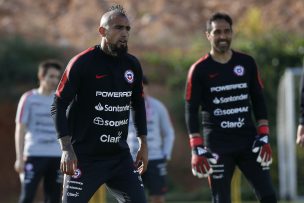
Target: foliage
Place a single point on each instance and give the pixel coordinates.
(19, 60)
(251, 25)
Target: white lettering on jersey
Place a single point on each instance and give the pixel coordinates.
(221, 112)
(100, 121)
(110, 139)
(223, 100)
(114, 94)
(229, 87)
(75, 182)
(73, 187)
(107, 107)
(236, 124)
(70, 194)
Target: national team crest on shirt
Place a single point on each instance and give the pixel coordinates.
(77, 173)
(239, 70)
(28, 167)
(129, 76)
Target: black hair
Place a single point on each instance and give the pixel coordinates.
(218, 16)
(118, 8)
(44, 66)
(145, 80)
(115, 10)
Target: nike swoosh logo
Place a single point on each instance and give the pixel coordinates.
(101, 76)
(211, 76)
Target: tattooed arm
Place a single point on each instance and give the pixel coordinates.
(68, 163)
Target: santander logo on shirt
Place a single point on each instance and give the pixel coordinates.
(107, 107)
(223, 100)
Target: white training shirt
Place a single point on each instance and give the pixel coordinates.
(160, 135)
(34, 112)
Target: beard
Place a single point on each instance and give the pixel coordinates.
(114, 49)
(222, 48)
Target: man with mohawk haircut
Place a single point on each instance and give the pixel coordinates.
(91, 114)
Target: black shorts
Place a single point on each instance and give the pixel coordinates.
(118, 173)
(155, 177)
(41, 168)
(258, 176)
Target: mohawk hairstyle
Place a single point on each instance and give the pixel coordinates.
(118, 8)
(115, 10)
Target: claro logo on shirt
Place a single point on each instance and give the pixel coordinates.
(110, 138)
(233, 124)
(114, 94)
(101, 122)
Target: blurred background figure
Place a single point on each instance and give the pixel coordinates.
(37, 149)
(300, 132)
(160, 139)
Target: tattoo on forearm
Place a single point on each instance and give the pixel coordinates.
(65, 143)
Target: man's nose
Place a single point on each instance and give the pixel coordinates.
(125, 33)
(223, 36)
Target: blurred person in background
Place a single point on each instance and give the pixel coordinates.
(37, 148)
(225, 86)
(300, 131)
(160, 138)
(98, 88)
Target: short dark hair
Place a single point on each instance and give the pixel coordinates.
(117, 7)
(218, 16)
(44, 66)
(145, 80)
(115, 10)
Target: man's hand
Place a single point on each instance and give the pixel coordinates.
(68, 163)
(201, 158)
(142, 155)
(19, 166)
(300, 135)
(261, 145)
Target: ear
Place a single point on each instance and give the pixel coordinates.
(39, 75)
(207, 34)
(102, 31)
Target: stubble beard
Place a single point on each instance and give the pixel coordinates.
(114, 50)
(223, 49)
